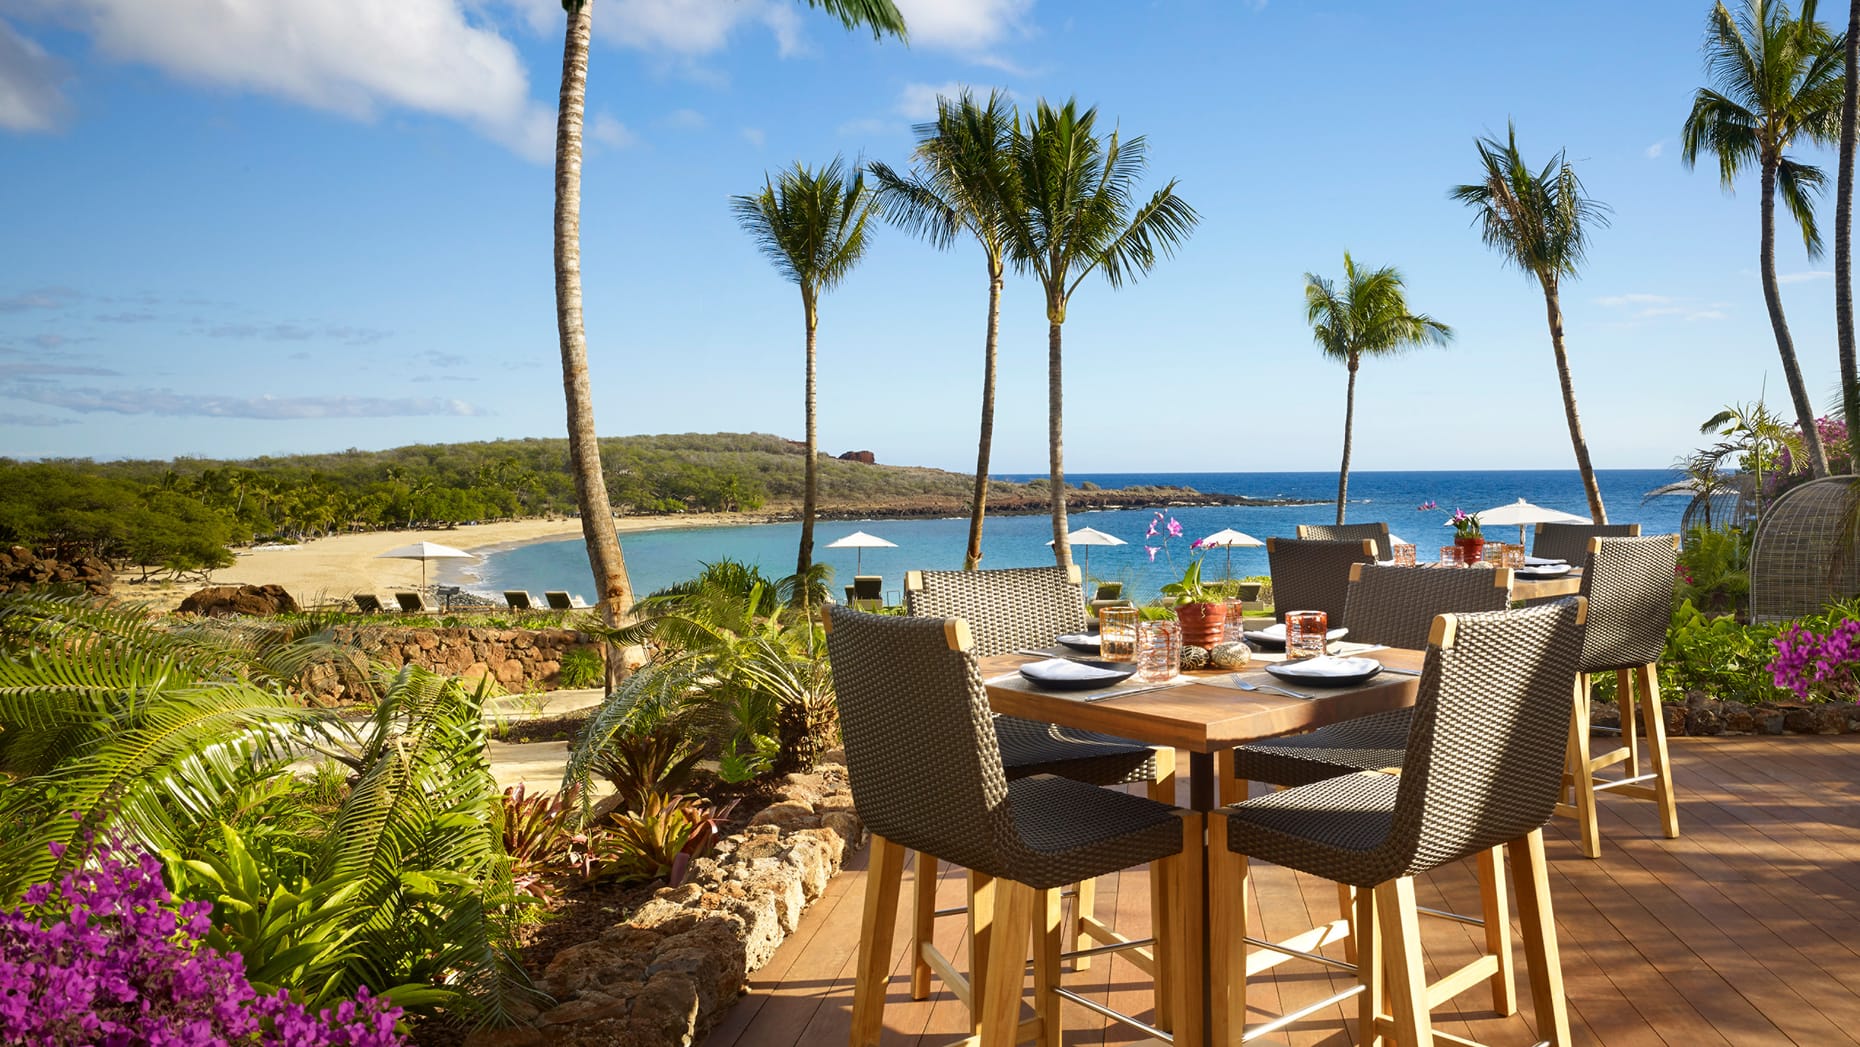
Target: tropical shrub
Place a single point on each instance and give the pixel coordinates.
(1713, 572)
(107, 955)
(640, 764)
(659, 839)
(540, 839)
(582, 667)
(1719, 656)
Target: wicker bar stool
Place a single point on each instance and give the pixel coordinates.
(1571, 541)
(1314, 575)
(1347, 532)
(1008, 610)
(1394, 606)
(1629, 583)
(926, 775)
(1481, 771)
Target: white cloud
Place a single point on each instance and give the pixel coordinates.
(1802, 278)
(1653, 151)
(963, 25)
(686, 120)
(353, 57)
(918, 101)
(1642, 306)
(1617, 300)
(167, 403)
(611, 133)
(755, 136)
(31, 98)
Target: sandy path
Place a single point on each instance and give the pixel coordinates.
(329, 569)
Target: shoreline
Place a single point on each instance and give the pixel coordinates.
(329, 569)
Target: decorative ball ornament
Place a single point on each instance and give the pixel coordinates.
(1230, 655)
(1194, 657)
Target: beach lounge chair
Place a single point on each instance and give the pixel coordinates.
(368, 603)
(413, 603)
(520, 600)
(559, 600)
(867, 592)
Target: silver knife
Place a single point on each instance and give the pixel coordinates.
(1126, 692)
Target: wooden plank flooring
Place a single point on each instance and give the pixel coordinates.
(1744, 931)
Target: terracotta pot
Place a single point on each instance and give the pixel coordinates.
(1202, 623)
(1472, 550)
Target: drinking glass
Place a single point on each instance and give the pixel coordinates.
(1117, 633)
(1514, 556)
(1159, 650)
(1236, 622)
(1404, 554)
(1494, 554)
(1449, 556)
(1304, 633)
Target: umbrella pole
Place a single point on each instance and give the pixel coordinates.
(1229, 569)
(1087, 580)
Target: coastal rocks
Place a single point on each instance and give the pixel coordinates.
(664, 976)
(862, 457)
(22, 570)
(219, 601)
(517, 659)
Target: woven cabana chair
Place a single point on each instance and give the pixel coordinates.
(1629, 584)
(1348, 532)
(1314, 575)
(1482, 771)
(927, 775)
(1008, 610)
(1804, 556)
(1571, 541)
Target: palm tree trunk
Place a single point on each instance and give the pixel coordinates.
(1843, 239)
(810, 490)
(1055, 442)
(1785, 346)
(978, 506)
(1554, 308)
(584, 449)
(1349, 418)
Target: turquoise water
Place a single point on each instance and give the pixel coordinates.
(656, 559)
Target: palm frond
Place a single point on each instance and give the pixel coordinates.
(1798, 185)
(881, 16)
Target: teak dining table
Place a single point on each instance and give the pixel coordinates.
(1204, 715)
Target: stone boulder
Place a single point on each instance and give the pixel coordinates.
(22, 570)
(221, 600)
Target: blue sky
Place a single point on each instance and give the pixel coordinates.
(316, 224)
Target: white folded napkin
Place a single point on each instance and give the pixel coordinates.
(1066, 669)
(1326, 665)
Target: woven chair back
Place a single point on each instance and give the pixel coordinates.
(1007, 609)
(1397, 605)
(920, 741)
(1484, 763)
(1629, 583)
(1571, 541)
(1348, 532)
(1314, 575)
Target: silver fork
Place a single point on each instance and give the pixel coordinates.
(1247, 685)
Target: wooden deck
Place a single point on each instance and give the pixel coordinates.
(1745, 931)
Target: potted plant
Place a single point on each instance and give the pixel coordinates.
(1201, 610)
(1466, 533)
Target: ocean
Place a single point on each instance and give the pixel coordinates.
(656, 559)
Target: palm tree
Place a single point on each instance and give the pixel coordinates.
(1368, 317)
(1779, 79)
(1078, 215)
(1538, 221)
(597, 526)
(1844, 227)
(811, 226)
(962, 181)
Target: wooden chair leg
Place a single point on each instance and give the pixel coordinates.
(1582, 781)
(1656, 748)
(1374, 1002)
(1085, 905)
(1006, 973)
(1162, 790)
(884, 877)
(1625, 701)
(1400, 925)
(1189, 922)
(1346, 907)
(1497, 914)
(1228, 879)
(1540, 952)
(1048, 929)
(982, 902)
(923, 923)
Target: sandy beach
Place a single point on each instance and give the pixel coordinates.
(329, 569)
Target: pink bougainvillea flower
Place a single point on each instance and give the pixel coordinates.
(1175, 528)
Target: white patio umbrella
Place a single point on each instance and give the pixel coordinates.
(1521, 513)
(1088, 537)
(424, 551)
(1228, 538)
(861, 541)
